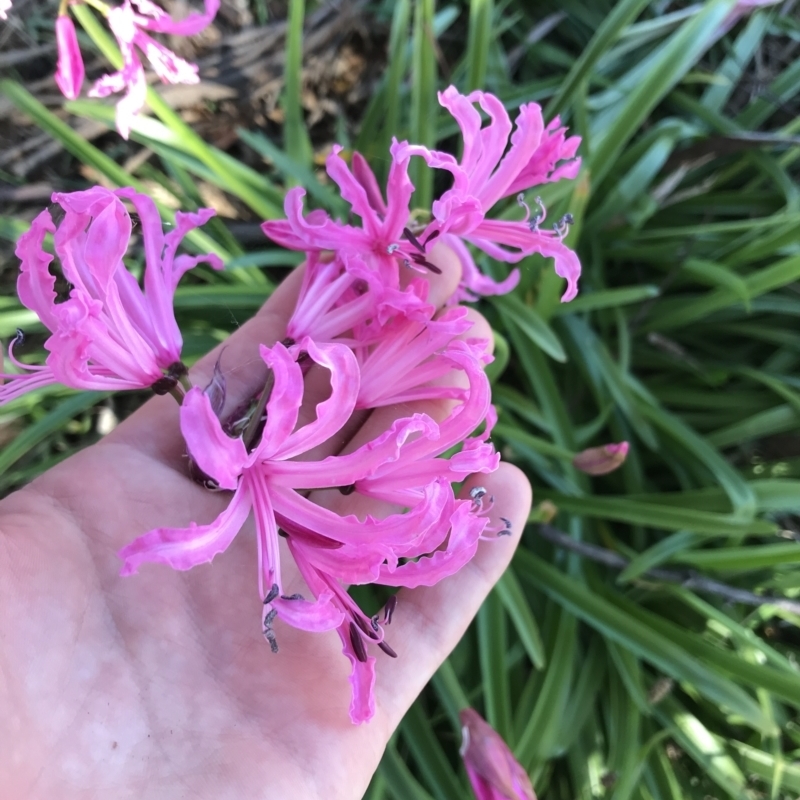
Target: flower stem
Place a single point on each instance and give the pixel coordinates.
(255, 421)
(178, 393)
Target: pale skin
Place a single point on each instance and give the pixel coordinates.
(161, 685)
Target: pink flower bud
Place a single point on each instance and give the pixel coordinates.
(492, 769)
(70, 72)
(601, 460)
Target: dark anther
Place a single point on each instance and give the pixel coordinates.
(431, 236)
(273, 642)
(506, 522)
(389, 609)
(345, 490)
(269, 634)
(358, 643)
(288, 342)
(386, 649)
(272, 594)
(427, 264)
(295, 596)
(413, 239)
(477, 493)
(19, 338)
(567, 219)
(374, 622)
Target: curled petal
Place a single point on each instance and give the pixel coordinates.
(184, 548)
(284, 400)
(493, 236)
(162, 22)
(337, 409)
(35, 285)
(316, 617)
(462, 544)
(362, 680)
(215, 453)
(347, 469)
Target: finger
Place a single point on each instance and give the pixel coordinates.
(430, 620)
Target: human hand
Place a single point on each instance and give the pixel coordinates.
(161, 685)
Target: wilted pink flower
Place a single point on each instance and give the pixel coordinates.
(601, 460)
(70, 72)
(488, 171)
(129, 28)
(492, 769)
(107, 334)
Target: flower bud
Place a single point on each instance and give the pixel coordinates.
(601, 460)
(492, 769)
(70, 72)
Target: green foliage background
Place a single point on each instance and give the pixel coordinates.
(606, 682)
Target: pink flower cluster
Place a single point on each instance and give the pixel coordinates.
(131, 23)
(362, 319)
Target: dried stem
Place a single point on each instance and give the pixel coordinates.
(686, 579)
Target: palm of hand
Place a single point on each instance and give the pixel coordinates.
(162, 685)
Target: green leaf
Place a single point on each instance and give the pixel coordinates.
(637, 637)
(295, 136)
(531, 324)
(516, 605)
(479, 39)
(664, 517)
(607, 298)
(428, 754)
(50, 423)
(492, 646)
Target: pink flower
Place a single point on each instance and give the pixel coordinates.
(227, 462)
(486, 174)
(492, 769)
(601, 460)
(107, 333)
(342, 300)
(129, 27)
(488, 171)
(70, 72)
(384, 241)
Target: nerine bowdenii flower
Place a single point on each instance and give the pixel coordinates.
(107, 332)
(489, 170)
(132, 23)
(431, 539)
